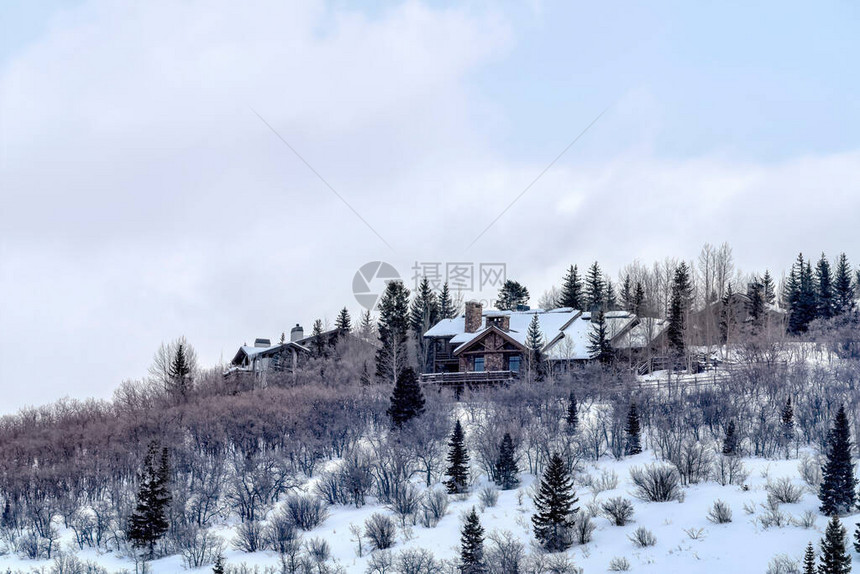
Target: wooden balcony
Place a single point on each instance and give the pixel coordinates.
(469, 378)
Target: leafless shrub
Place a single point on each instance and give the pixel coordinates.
(249, 537)
(695, 533)
(405, 502)
(551, 564)
(488, 496)
(642, 538)
(199, 547)
(783, 564)
(306, 511)
(583, 527)
(434, 505)
(618, 510)
(784, 491)
(806, 520)
(380, 530)
(331, 489)
(380, 563)
(694, 462)
(318, 550)
(656, 482)
(619, 564)
(773, 517)
(71, 564)
(416, 561)
(505, 553)
(608, 480)
(720, 513)
(810, 471)
(280, 534)
(728, 470)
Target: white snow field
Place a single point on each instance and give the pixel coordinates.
(686, 540)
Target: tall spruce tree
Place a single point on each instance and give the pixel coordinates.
(407, 400)
(610, 301)
(730, 442)
(391, 356)
(786, 419)
(834, 558)
(571, 289)
(755, 303)
(365, 326)
(837, 491)
(506, 469)
(343, 323)
(554, 502)
(769, 288)
(148, 523)
(843, 289)
(632, 430)
(458, 462)
(319, 348)
(534, 349)
(572, 417)
(598, 338)
(180, 372)
(447, 306)
(423, 314)
(679, 307)
(825, 304)
(639, 299)
(512, 295)
(218, 566)
(627, 294)
(595, 288)
(809, 560)
(472, 546)
(800, 296)
(727, 314)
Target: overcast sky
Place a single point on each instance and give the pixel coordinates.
(142, 198)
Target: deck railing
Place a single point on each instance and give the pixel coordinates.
(468, 378)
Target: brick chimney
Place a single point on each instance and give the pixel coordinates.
(473, 316)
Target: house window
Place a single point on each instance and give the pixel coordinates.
(479, 364)
(514, 364)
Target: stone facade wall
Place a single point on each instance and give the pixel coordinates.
(473, 316)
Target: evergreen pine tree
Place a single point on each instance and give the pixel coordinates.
(218, 567)
(318, 342)
(283, 338)
(447, 307)
(824, 300)
(364, 379)
(857, 537)
(843, 290)
(343, 323)
(679, 306)
(534, 350)
(511, 296)
(627, 294)
(148, 523)
(572, 414)
(610, 301)
(639, 299)
(391, 356)
(458, 462)
(834, 558)
(472, 546)
(598, 338)
(407, 400)
(423, 314)
(787, 422)
(809, 560)
(571, 290)
(727, 314)
(769, 288)
(800, 296)
(837, 491)
(632, 430)
(365, 326)
(506, 465)
(755, 303)
(730, 442)
(180, 372)
(595, 288)
(554, 507)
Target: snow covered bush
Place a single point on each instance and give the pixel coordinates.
(380, 530)
(405, 502)
(642, 537)
(280, 534)
(488, 496)
(720, 513)
(199, 547)
(331, 488)
(381, 563)
(784, 491)
(807, 519)
(608, 480)
(810, 471)
(318, 550)
(434, 505)
(551, 564)
(71, 564)
(618, 510)
(773, 517)
(619, 564)
(656, 482)
(306, 511)
(694, 462)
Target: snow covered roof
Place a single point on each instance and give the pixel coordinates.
(566, 331)
(250, 352)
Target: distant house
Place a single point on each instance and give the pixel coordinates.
(491, 345)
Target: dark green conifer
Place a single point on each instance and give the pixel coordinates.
(506, 469)
(834, 558)
(148, 523)
(837, 491)
(553, 520)
(730, 442)
(571, 289)
(472, 546)
(458, 462)
(632, 430)
(572, 418)
(407, 400)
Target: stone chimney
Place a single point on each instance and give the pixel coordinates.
(473, 316)
(297, 333)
